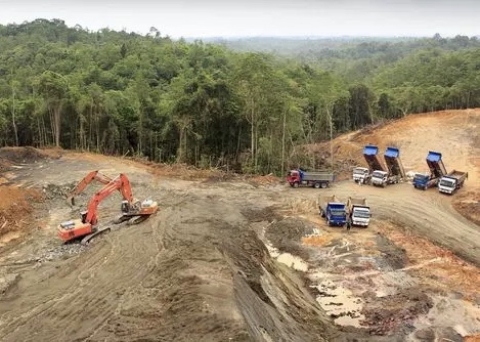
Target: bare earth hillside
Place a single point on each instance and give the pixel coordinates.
(230, 258)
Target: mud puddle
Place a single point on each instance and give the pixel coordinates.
(362, 280)
(288, 259)
(340, 303)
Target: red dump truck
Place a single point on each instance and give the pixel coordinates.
(316, 179)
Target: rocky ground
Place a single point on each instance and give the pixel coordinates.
(231, 258)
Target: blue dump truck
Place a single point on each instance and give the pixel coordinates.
(437, 171)
(333, 210)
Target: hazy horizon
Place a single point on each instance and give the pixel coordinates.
(264, 19)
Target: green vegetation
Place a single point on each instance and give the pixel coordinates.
(209, 105)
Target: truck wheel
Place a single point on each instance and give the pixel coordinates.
(424, 188)
(295, 185)
(317, 185)
(323, 185)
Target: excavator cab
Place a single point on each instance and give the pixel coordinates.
(83, 215)
(125, 207)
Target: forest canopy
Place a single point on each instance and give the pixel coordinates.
(219, 103)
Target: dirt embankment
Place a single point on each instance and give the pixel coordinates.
(17, 204)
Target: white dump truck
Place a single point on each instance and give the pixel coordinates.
(358, 211)
(361, 175)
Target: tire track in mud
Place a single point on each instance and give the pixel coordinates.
(93, 282)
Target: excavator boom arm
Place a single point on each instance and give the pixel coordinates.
(120, 183)
(93, 175)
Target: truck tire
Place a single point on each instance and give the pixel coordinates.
(323, 185)
(295, 185)
(316, 185)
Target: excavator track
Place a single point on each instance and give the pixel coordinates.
(130, 221)
(121, 219)
(86, 239)
(137, 219)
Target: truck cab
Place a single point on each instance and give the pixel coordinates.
(335, 214)
(294, 177)
(383, 178)
(379, 178)
(447, 185)
(360, 216)
(361, 174)
(423, 181)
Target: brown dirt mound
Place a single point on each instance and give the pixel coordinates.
(468, 204)
(474, 338)
(16, 209)
(393, 311)
(27, 154)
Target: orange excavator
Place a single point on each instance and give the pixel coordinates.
(87, 227)
(93, 175)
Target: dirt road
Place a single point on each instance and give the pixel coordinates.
(426, 213)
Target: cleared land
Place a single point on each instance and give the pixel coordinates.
(231, 258)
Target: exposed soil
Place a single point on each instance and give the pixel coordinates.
(238, 258)
(468, 204)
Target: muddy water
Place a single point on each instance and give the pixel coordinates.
(287, 259)
(339, 302)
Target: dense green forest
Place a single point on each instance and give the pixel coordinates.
(212, 104)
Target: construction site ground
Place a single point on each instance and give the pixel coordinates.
(243, 258)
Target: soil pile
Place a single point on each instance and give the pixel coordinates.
(16, 210)
(468, 205)
(26, 154)
(392, 312)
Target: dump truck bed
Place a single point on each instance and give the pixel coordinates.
(370, 154)
(322, 201)
(357, 201)
(457, 174)
(321, 176)
(435, 164)
(394, 164)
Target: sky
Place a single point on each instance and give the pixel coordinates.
(217, 18)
